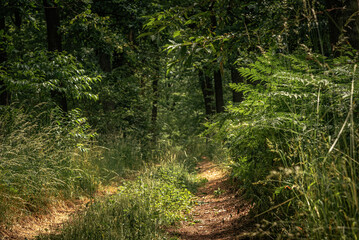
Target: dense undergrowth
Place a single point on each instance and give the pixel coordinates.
(47, 156)
(160, 195)
(44, 156)
(293, 145)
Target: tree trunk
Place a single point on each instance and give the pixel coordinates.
(218, 91)
(207, 90)
(17, 17)
(4, 93)
(335, 20)
(52, 17)
(105, 61)
(236, 78)
(155, 102)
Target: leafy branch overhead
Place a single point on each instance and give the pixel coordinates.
(41, 72)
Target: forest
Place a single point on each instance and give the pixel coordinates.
(115, 104)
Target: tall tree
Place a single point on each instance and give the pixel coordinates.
(352, 15)
(236, 78)
(155, 98)
(154, 102)
(218, 88)
(4, 93)
(17, 19)
(207, 91)
(52, 16)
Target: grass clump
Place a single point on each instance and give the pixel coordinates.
(158, 196)
(120, 157)
(44, 155)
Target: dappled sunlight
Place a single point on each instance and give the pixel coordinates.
(219, 213)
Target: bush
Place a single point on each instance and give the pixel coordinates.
(292, 143)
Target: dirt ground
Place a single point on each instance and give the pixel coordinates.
(28, 227)
(220, 214)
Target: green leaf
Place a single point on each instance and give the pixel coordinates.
(176, 33)
(145, 34)
(162, 28)
(188, 22)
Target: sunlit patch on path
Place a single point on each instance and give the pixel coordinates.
(219, 213)
(29, 227)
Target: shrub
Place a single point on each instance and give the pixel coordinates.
(292, 143)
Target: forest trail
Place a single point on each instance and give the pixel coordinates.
(29, 227)
(220, 214)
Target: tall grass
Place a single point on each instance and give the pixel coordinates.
(121, 156)
(293, 146)
(159, 196)
(46, 155)
(42, 156)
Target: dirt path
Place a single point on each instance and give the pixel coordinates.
(220, 214)
(29, 227)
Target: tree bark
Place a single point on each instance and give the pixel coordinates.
(236, 78)
(4, 93)
(17, 17)
(218, 90)
(105, 61)
(207, 90)
(155, 93)
(155, 101)
(52, 16)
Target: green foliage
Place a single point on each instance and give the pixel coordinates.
(121, 156)
(164, 194)
(123, 107)
(89, 30)
(41, 160)
(181, 113)
(292, 141)
(296, 122)
(157, 197)
(40, 72)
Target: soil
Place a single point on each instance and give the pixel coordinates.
(220, 214)
(29, 227)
